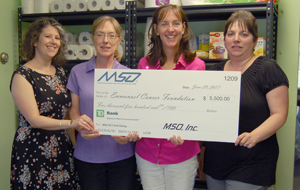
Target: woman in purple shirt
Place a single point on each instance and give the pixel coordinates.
(165, 165)
(102, 161)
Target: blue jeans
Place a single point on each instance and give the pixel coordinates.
(107, 176)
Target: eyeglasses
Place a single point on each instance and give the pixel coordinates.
(110, 36)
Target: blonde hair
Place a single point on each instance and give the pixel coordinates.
(100, 22)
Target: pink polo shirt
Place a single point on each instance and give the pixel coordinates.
(162, 151)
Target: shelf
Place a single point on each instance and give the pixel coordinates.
(131, 16)
(76, 18)
(211, 12)
(194, 13)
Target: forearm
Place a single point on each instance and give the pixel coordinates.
(47, 123)
(269, 127)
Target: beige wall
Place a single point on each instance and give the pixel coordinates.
(8, 124)
(287, 58)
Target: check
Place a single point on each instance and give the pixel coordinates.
(198, 105)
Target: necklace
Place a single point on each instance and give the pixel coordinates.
(243, 68)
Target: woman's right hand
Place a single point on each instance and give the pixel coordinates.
(83, 123)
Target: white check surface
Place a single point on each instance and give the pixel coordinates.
(198, 105)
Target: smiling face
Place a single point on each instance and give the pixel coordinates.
(170, 29)
(106, 40)
(239, 42)
(48, 43)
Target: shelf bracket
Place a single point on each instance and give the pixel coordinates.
(20, 32)
(130, 34)
(271, 38)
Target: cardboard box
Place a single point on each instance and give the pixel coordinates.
(203, 40)
(260, 48)
(217, 48)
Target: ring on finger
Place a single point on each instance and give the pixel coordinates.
(246, 144)
(84, 123)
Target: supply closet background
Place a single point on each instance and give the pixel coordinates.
(202, 18)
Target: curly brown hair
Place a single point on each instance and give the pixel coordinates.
(32, 35)
(156, 51)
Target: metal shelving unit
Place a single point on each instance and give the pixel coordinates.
(132, 15)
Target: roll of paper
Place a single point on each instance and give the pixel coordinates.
(94, 5)
(41, 6)
(107, 4)
(68, 6)
(27, 6)
(70, 38)
(85, 52)
(148, 23)
(120, 4)
(72, 51)
(85, 38)
(123, 37)
(81, 5)
(121, 50)
(157, 3)
(76, 39)
(56, 6)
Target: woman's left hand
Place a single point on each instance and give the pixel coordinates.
(246, 139)
(120, 139)
(176, 140)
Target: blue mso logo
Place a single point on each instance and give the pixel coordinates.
(123, 77)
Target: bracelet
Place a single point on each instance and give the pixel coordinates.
(71, 122)
(60, 123)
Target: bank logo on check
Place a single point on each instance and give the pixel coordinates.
(122, 77)
(100, 113)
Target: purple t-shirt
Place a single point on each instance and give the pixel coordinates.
(102, 149)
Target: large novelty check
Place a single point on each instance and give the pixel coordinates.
(197, 105)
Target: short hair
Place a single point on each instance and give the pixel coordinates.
(101, 21)
(245, 20)
(32, 35)
(156, 51)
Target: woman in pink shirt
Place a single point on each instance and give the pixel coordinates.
(168, 164)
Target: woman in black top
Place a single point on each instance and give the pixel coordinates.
(250, 163)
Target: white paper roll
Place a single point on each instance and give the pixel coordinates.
(94, 5)
(72, 51)
(56, 6)
(123, 37)
(108, 4)
(120, 4)
(148, 23)
(68, 6)
(76, 39)
(85, 52)
(81, 5)
(42, 6)
(85, 38)
(192, 2)
(70, 38)
(94, 50)
(27, 6)
(157, 3)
